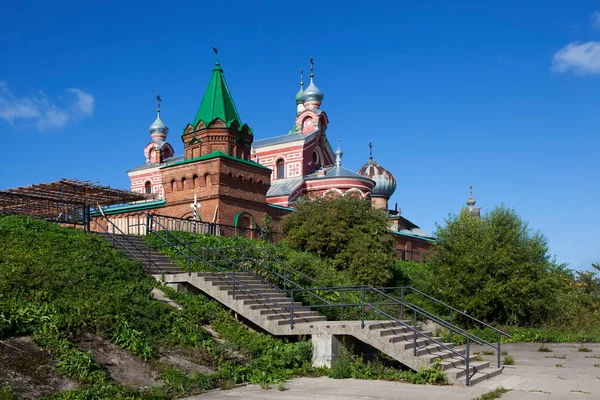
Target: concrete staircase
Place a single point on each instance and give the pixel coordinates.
(136, 248)
(261, 303)
(268, 307)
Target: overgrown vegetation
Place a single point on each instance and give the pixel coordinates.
(350, 365)
(58, 283)
(347, 234)
(500, 271)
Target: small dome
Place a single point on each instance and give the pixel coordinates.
(385, 183)
(158, 126)
(312, 93)
(299, 97)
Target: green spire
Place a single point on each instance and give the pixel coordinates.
(217, 102)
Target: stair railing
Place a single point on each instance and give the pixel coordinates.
(123, 241)
(452, 311)
(289, 285)
(193, 255)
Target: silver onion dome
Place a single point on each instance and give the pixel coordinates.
(158, 126)
(312, 93)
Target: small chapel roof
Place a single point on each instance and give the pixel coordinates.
(217, 102)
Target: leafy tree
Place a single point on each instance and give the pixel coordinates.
(267, 227)
(347, 233)
(495, 268)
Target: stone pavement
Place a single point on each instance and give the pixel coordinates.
(535, 375)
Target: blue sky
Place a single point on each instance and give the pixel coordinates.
(502, 97)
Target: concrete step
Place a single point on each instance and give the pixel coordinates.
(434, 349)
(245, 274)
(261, 306)
(229, 285)
(388, 324)
(304, 320)
(260, 295)
(297, 315)
(407, 337)
(245, 291)
(456, 362)
(265, 305)
(394, 331)
(421, 342)
(479, 376)
(226, 279)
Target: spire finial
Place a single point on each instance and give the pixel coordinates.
(301, 79)
(338, 155)
(370, 151)
(471, 202)
(158, 100)
(312, 64)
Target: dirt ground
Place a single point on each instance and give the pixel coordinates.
(28, 370)
(31, 372)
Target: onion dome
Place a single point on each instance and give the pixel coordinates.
(312, 93)
(158, 127)
(301, 91)
(385, 183)
(299, 96)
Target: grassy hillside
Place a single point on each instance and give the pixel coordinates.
(59, 283)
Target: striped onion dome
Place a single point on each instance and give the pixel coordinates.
(385, 183)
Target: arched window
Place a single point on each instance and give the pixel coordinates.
(172, 185)
(195, 181)
(280, 169)
(183, 183)
(148, 187)
(207, 179)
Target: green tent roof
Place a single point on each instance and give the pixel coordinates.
(217, 102)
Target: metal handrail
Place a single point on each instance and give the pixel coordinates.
(449, 325)
(287, 267)
(226, 273)
(114, 238)
(460, 312)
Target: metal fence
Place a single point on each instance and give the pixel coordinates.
(138, 224)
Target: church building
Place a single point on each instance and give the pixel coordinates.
(235, 179)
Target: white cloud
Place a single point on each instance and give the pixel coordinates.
(40, 111)
(596, 20)
(583, 58)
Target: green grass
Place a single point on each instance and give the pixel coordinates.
(494, 394)
(584, 349)
(544, 349)
(57, 283)
(559, 366)
(508, 360)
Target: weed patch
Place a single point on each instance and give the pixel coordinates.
(494, 394)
